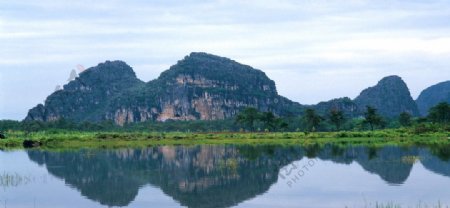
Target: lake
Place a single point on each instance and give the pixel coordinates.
(226, 176)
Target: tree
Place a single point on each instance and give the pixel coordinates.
(9, 125)
(311, 119)
(372, 118)
(440, 113)
(281, 124)
(33, 126)
(248, 117)
(405, 119)
(251, 117)
(269, 120)
(337, 118)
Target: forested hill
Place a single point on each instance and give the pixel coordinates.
(199, 87)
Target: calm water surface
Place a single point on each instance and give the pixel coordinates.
(226, 176)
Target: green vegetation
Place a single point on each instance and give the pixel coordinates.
(249, 127)
(337, 118)
(248, 117)
(405, 119)
(372, 118)
(77, 139)
(251, 119)
(440, 113)
(311, 119)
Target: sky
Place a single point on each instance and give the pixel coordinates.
(315, 50)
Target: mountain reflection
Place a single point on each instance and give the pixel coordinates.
(215, 176)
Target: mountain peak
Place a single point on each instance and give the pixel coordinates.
(203, 60)
(390, 96)
(93, 89)
(118, 68)
(216, 69)
(391, 78)
(203, 54)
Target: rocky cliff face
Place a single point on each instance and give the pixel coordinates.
(432, 96)
(390, 96)
(201, 86)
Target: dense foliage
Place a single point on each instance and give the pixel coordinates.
(337, 118)
(440, 113)
(372, 118)
(252, 120)
(405, 119)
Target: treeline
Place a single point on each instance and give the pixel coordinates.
(252, 120)
(168, 126)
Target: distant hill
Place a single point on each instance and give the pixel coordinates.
(390, 96)
(433, 95)
(206, 87)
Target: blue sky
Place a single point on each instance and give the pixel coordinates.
(315, 50)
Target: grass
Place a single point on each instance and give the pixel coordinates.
(77, 139)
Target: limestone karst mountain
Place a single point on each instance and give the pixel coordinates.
(200, 87)
(390, 96)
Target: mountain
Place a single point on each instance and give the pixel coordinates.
(345, 104)
(86, 97)
(201, 86)
(217, 175)
(388, 162)
(390, 96)
(194, 176)
(433, 95)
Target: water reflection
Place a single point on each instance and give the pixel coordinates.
(217, 176)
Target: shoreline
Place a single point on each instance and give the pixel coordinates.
(79, 140)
